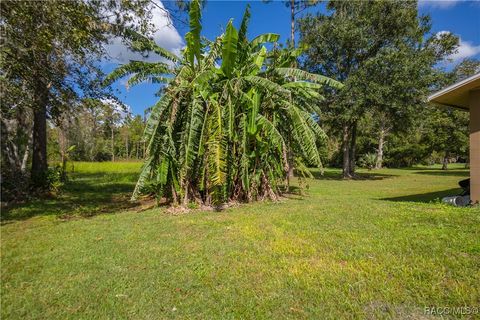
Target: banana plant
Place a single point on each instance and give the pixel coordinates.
(230, 112)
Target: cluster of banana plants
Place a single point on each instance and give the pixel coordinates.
(232, 117)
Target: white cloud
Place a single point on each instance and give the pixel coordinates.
(166, 35)
(440, 33)
(120, 108)
(441, 4)
(465, 49)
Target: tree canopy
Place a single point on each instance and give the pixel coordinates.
(382, 52)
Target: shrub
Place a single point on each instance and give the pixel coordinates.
(368, 161)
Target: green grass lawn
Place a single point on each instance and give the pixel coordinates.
(380, 247)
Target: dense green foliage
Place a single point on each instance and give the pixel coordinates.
(376, 248)
(223, 132)
(49, 61)
(384, 54)
(425, 134)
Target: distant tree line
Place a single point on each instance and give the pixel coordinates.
(389, 61)
(100, 131)
(432, 135)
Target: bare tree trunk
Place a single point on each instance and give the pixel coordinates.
(126, 145)
(39, 155)
(445, 160)
(353, 148)
(11, 153)
(23, 167)
(113, 145)
(292, 22)
(346, 153)
(9, 148)
(93, 153)
(381, 143)
(63, 145)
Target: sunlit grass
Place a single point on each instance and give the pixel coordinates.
(379, 247)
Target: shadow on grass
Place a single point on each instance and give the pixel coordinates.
(329, 175)
(425, 197)
(430, 172)
(293, 193)
(85, 195)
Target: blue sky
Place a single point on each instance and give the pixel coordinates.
(459, 17)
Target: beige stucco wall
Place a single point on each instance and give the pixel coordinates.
(475, 145)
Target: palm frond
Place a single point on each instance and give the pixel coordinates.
(242, 33)
(193, 49)
(229, 49)
(302, 84)
(304, 135)
(195, 127)
(216, 146)
(264, 38)
(146, 78)
(273, 134)
(267, 85)
(143, 178)
(307, 76)
(134, 67)
(141, 43)
(156, 114)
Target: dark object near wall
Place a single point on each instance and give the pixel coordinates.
(465, 185)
